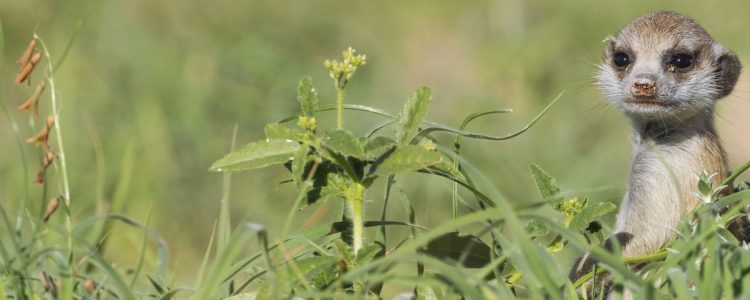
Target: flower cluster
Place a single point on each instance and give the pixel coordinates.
(308, 123)
(571, 208)
(341, 72)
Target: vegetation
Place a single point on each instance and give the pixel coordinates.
(420, 214)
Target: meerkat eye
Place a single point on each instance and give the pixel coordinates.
(682, 60)
(621, 59)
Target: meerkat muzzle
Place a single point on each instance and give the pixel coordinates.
(644, 86)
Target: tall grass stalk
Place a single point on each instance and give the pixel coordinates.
(60, 166)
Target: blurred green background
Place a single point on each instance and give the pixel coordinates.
(157, 87)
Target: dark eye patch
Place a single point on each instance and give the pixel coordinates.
(682, 60)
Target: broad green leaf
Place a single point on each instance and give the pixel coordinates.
(335, 186)
(412, 114)
(298, 165)
(590, 213)
(343, 142)
(535, 228)
(277, 131)
(595, 232)
(367, 253)
(375, 147)
(467, 249)
(256, 155)
(544, 183)
(307, 97)
(404, 159)
(426, 292)
(327, 183)
(556, 245)
(319, 271)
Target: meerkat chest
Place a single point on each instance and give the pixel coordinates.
(667, 171)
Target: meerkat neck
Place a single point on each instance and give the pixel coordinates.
(661, 131)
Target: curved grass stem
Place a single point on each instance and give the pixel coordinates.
(56, 114)
(62, 169)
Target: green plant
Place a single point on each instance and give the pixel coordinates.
(336, 164)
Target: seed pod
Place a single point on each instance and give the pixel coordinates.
(52, 206)
(28, 68)
(33, 101)
(43, 134)
(40, 176)
(40, 137)
(26, 56)
(49, 157)
(90, 286)
(36, 58)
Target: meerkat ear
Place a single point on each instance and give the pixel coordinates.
(727, 71)
(609, 44)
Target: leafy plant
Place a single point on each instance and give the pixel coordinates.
(336, 164)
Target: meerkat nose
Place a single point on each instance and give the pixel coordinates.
(644, 85)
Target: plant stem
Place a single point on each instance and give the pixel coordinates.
(56, 114)
(340, 107)
(63, 170)
(354, 200)
(735, 174)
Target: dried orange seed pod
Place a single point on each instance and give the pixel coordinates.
(28, 68)
(24, 73)
(36, 58)
(26, 56)
(52, 206)
(33, 101)
(90, 286)
(40, 137)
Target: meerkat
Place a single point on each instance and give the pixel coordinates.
(665, 73)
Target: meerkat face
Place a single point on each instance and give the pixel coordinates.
(666, 66)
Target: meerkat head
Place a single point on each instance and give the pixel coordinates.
(665, 66)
